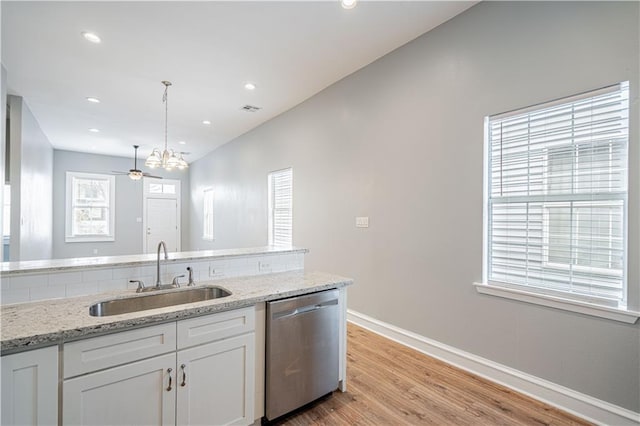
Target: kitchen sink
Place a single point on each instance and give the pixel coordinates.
(158, 300)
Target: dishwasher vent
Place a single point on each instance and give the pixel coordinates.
(250, 108)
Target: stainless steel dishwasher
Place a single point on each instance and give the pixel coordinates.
(301, 351)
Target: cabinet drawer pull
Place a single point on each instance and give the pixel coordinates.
(184, 375)
(169, 370)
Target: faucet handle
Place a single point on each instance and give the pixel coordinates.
(191, 282)
(140, 285)
(175, 282)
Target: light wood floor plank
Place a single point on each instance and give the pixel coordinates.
(390, 384)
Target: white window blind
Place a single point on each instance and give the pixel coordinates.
(207, 225)
(281, 207)
(557, 196)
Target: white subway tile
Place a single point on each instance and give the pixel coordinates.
(97, 275)
(81, 289)
(28, 281)
(111, 285)
(14, 295)
(5, 283)
(64, 278)
(50, 292)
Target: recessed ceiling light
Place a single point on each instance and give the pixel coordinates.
(93, 38)
(93, 100)
(94, 130)
(249, 86)
(182, 142)
(207, 122)
(349, 4)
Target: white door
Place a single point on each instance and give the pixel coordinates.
(216, 383)
(30, 387)
(161, 213)
(162, 223)
(140, 393)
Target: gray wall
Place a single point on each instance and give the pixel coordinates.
(128, 232)
(401, 141)
(31, 185)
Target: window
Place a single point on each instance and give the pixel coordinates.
(556, 198)
(281, 208)
(90, 207)
(207, 225)
(162, 188)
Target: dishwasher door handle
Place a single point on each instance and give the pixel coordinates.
(303, 310)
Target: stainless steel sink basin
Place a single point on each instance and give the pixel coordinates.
(157, 300)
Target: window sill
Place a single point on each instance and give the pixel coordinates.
(612, 313)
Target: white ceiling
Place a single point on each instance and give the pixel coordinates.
(208, 50)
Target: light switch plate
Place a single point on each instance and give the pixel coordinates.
(362, 222)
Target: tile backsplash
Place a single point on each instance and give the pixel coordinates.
(26, 286)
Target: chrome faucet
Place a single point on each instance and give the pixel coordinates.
(164, 246)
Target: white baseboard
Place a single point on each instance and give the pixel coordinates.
(579, 404)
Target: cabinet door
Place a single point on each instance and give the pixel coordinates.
(218, 385)
(133, 394)
(30, 387)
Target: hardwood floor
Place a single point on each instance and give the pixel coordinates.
(390, 384)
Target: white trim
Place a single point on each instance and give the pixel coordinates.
(612, 313)
(579, 404)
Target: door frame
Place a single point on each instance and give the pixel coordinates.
(146, 194)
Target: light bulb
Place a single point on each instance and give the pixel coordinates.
(349, 4)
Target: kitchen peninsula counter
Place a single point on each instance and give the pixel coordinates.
(83, 263)
(49, 322)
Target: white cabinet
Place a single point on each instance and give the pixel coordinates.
(134, 394)
(215, 383)
(30, 387)
(195, 371)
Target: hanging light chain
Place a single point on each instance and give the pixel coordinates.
(165, 99)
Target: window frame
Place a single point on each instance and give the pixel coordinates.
(70, 237)
(207, 214)
(587, 304)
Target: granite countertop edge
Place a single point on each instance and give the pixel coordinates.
(8, 269)
(27, 326)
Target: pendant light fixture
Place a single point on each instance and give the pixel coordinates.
(167, 159)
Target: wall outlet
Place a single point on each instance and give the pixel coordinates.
(264, 267)
(215, 272)
(95, 251)
(362, 222)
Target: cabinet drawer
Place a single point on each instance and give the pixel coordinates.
(213, 327)
(102, 352)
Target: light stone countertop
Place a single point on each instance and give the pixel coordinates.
(48, 265)
(36, 324)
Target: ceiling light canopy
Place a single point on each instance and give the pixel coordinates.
(166, 159)
(93, 38)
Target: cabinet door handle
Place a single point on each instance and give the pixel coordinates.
(169, 370)
(184, 375)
